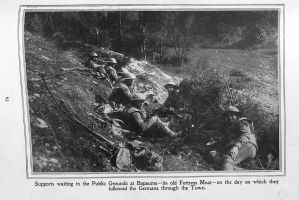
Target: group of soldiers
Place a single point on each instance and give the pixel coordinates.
(240, 140)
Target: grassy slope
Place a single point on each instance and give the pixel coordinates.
(259, 69)
(60, 147)
(260, 64)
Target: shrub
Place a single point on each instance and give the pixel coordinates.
(202, 94)
(207, 92)
(35, 24)
(256, 35)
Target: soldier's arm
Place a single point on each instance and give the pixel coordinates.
(139, 122)
(100, 61)
(113, 73)
(98, 68)
(127, 92)
(95, 66)
(246, 134)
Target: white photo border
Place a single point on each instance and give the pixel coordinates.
(148, 7)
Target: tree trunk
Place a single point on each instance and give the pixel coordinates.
(160, 51)
(144, 48)
(143, 42)
(142, 20)
(47, 21)
(98, 42)
(120, 33)
(153, 57)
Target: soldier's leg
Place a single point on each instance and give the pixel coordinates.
(228, 163)
(156, 126)
(246, 152)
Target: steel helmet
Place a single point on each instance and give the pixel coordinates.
(128, 76)
(170, 84)
(93, 54)
(232, 109)
(113, 61)
(138, 97)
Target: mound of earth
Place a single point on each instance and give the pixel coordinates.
(59, 143)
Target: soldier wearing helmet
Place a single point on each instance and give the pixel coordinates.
(111, 72)
(122, 92)
(170, 85)
(240, 138)
(93, 55)
(172, 101)
(135, 120)
(92, 63)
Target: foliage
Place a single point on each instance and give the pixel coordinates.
(256, 35)
(207, 94)
(129, 31)
(202, 94)
(238, 79)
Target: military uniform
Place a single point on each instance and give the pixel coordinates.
(240, 134)
(121, 94)
(111, 72)
(122, 72)
(172, 100)
(93, 65)
(135, 121)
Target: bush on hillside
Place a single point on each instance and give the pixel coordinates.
(202, 94)
(238, 79)
(206, 94)
(256, 35)
(35, 25)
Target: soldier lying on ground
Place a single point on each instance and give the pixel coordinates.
(122, 92)
(135, 120)
(92, 63)
(241, 141)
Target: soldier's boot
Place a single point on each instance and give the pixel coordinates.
(228, 166)
(165, 130)
(156, 127)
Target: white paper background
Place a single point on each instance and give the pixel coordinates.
(13, 182)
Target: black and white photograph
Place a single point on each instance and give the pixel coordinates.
(153, 90)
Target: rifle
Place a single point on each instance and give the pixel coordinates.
(104, 76)
(166, 112)
(75, 68)
(119, 152)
